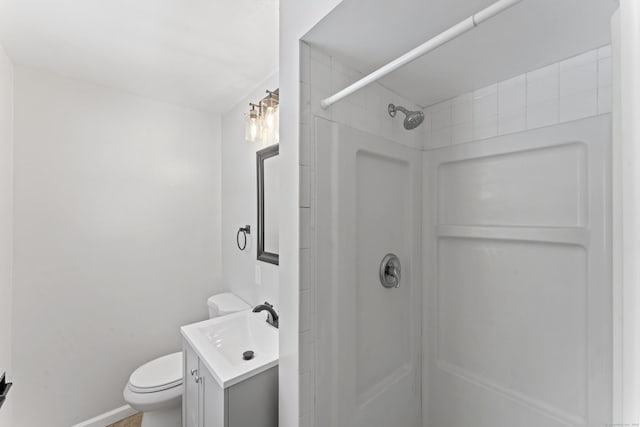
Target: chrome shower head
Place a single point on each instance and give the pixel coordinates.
(412, 120)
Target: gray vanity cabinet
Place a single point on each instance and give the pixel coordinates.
(193, 391)
(252, 402)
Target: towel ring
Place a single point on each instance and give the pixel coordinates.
(244, 230)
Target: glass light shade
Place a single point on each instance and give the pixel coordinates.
(253, 128)
(262, 123)
(269, 117)
(271, 124)
(276, 125)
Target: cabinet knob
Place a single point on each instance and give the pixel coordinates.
(193, 372)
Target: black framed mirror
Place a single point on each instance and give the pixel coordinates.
(268, 172)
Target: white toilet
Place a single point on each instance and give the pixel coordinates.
(155, 388)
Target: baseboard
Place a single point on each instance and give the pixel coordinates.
(108, 418)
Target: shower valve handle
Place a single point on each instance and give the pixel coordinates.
(390, 271)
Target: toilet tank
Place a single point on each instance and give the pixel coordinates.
(225, 303)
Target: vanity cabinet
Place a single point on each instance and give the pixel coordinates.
(251, 402)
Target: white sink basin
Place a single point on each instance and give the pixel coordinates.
(221, 342)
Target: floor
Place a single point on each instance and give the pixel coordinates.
(132, 421)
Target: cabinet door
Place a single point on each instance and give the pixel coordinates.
(191, 398)
(213, 398)
(254, 401)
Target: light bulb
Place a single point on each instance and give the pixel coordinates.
(253, 131)
(252, 126)
(269, 118)
(276, 126)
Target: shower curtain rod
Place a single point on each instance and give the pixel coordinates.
(442, 38)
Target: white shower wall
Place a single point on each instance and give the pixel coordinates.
(494, 235)
(366, 111)
(517, 313)
(517, 250)
(369, 348)
(517, 309)
(575, 88)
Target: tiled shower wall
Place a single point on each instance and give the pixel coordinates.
(366, 110)
(576, 88)
(572, 89)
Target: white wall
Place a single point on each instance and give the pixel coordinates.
(6, 207)
(296, 18)
(239, 207)
(117, 240)
(626, 33)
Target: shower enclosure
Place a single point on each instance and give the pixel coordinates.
(463, 258)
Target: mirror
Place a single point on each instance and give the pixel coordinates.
(268, 168)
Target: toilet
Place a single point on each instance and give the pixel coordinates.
(155, 388)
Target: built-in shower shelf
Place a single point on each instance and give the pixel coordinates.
(567, 235)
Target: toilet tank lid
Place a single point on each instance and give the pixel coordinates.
(226, 303)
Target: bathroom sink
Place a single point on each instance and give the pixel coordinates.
(223, 344)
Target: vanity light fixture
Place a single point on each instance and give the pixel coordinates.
(252, 127)
(262, 121)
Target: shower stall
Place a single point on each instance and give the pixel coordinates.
(464, 262)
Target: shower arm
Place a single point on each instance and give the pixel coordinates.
(392, 111)
(442, 38)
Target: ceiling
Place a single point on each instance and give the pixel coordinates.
(530, 35)
(204, 54)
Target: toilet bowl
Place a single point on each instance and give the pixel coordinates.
(156, 387)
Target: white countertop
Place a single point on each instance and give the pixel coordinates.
(220, 343)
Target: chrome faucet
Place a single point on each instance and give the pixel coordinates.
(272, 316)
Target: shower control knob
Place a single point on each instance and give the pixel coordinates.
(390, 271)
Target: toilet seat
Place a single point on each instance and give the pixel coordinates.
(155, 401)
(160, 374)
